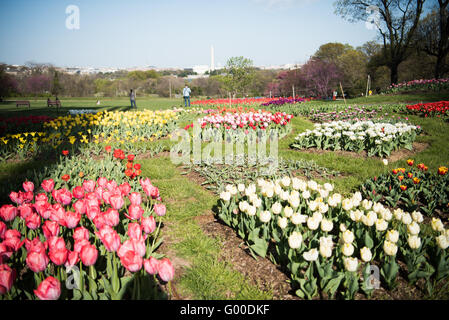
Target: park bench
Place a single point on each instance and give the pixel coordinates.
(23, 103)
(55, 103)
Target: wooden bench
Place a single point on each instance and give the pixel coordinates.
(56, 103)
(23, 103)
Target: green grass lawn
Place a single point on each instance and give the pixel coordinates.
(205, 275)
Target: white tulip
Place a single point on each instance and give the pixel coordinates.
(326, 225)
(225, 196)
(414, 242)
(323, 207)
(347, 204)
(282, 222)
(392, 236)
(296, 183)
(302, 185)
(286, 181)
(241, 187)
(251, 189)
(276, 208)
(265, 216)
(347, 249)
(377, 207)
(312, 223)
(310, 255)
(398, 213)
(323, 193)
(294, 202)
(251, 210)
(325, 251)
(297, 218)
(295, 240)
(306, 194)
(365, 254)
(312, 185)
(288, 211)
(390, 248)
(351, 264)
(417, 216)
(342, 227)
(326, 241)
(367, 205)
(437, 225)
(406, 218)
(317, 216)
(243, 206)
(442, 241)
(385, 161)
(348, 236)
(413, 228)
(328, 187)
(278, 189)
(313, 205)
(381, 225)
(386, 214)
(257, 202)
(269, 192)
(285, 195)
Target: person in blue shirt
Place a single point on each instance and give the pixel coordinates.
(186, 93)
(132, 97)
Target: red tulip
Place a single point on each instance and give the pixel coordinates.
(137, 166)
(107, 148)
(148, 224)
(160, 209)
(132, 261)
(49, 289)
(134, 231)
(37, 261)
(71, 219)
(5, 252)
(50, 229)
(25, 210)
(28, 186)
(78, 192)
(117, 202)
(65, 152)
(8, 212)
(12, 233)
(41, 197)
(92, 212)
(89, 185)
(99, 221)
(63, 196)
(35, 245)
(81, 233)
(48, 185)
(7, 278)
(151, 265)
(111, 186)
(58, 257)
(56, 243)
(111, 217)
(134, 212)
(110, 238)
(165, 270)
(43, 208)
(57, 213)
(132, 245)
(89, 255)
(131, 157)
(14, 196)
(102, 181)
(135, 198)
(33, 221)
(72, 258)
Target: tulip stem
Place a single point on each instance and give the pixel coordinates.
(169, 289)
(156, 234)
(81, 277)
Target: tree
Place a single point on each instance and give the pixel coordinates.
(320, 77)
(239, 73)
(397, 25)
(8, 84)
(432, 36)
(56, 87)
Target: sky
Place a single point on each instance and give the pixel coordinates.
(170, 33)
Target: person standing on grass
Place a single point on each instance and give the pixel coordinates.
(132, 97)
(186, 93)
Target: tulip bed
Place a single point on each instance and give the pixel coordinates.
(376, 138)
(438, 109)
(413, 188)
(422, 84)
(327, 243)
(88, 232)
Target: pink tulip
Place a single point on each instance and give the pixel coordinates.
(92, 212)
(111, 217)
(148, 224)
(57, 213)
(5, 252)
(71, 219)
(14, 196)
(56, 243)
(135, 198)
(78, 192)
(160, 209)
(41, 197)
(7, 278)
(8, 212)
(35, 245)
(132, 245)
(25, 210)
(49, 289)
(151, 265)
(48, 185)
(2, 229)
(111, 185)
(81, 233)
(33, 221)
(79, 245)
(72, 258)
(58, 257)
(125, 189)
(134, 212)
(28, 186)
(132, 261)
(116, 201)
(110, 238)
(165, 270)
(102, 181)
(89, 185)
(80, 206)
(63, 196)
(99, 221)
(43, 208)
(37, 261)
(50, 229)
(89, 255)
(134, 231)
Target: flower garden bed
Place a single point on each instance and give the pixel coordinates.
(376, 138)
(434, 109)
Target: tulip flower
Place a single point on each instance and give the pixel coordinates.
(135, 198)
(110, 238)
(165, 270)
(8, 212)
(37, 261)
(111, 217)
(28, 186)
(148, 224)
(151, 265)
(48, 185)
(7, 278)
(134, 231)
(81, 233)
(160, 209)
(89, 255)
(116, 201)
(49, 289)
(132, 261)
(134, 212)
(59, 256)
(3, 229)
